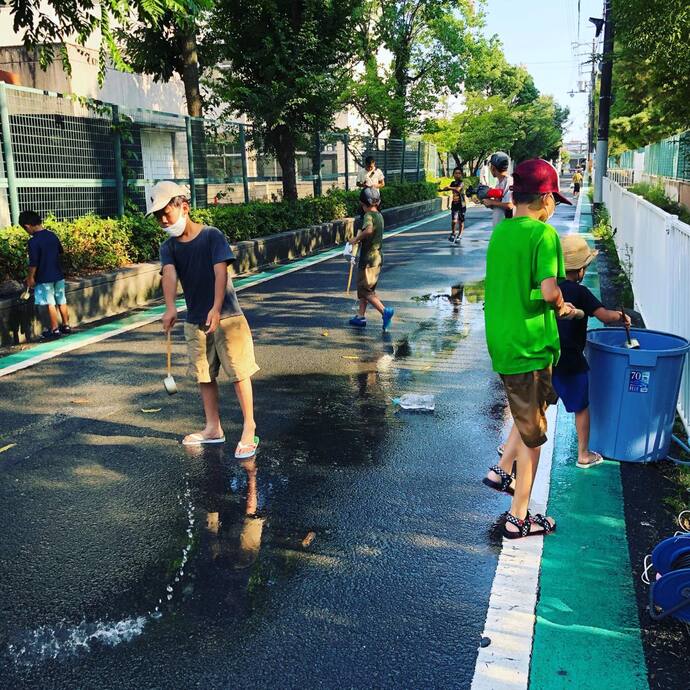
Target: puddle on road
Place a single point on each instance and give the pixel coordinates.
(229, 557)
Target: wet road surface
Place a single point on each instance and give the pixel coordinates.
(354, 551)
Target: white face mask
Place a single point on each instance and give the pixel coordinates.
(177, 228)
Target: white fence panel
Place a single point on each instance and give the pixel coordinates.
(654, 250)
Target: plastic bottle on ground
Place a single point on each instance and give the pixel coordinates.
(416, 401)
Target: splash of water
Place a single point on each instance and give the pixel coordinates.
(67, 639)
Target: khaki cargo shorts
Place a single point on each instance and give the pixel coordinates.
(529, 395)
(230, 346)
(367, 280)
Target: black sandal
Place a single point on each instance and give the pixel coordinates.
(525, 526)
(506, 479)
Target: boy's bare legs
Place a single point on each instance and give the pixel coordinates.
(584, 454)
(209, 399)
(527, 464)
(245, 397)
(374, 301)
(64, 315)
(52, 316)
(510, 448)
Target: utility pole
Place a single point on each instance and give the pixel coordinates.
(604, 106)
(592, 95)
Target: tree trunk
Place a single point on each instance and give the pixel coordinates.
(285, 152)
(443, 164)
(190, 73)
(401, 66)
(456, 158)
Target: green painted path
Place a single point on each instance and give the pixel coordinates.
(587, 630)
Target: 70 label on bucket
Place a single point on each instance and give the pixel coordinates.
(639, 381)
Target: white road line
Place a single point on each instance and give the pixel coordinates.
(575, 224)
(148, 317)
(505, 663)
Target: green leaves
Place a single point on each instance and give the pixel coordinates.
(491, 123)
(49, 25)
(651, 80)
(284, 64)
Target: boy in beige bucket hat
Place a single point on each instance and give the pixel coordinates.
(570, 375)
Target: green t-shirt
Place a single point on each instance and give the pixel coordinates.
(521, 329)
(371, 252)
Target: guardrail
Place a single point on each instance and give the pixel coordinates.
(654, 250)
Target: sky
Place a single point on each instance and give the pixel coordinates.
(539, 35)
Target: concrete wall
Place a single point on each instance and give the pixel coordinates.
(131, 90)
(109, 294)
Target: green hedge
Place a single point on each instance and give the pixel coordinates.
(656, 195)
(102, 244)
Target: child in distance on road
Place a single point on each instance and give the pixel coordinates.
(370, 259)
(522, 300)
(570, 377)
(216, 330)
(458, 206)
(45, 275)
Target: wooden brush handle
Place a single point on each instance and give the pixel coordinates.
(169, 349)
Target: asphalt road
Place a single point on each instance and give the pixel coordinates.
(355, 552)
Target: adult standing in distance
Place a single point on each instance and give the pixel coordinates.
(499, 163)
(370, 175)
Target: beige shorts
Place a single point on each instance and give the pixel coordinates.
(529, 395)
(367, 280)
(230, 346)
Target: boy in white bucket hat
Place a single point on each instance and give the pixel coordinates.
(570, 375)
(216, 330)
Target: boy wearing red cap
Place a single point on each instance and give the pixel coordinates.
(522, 301)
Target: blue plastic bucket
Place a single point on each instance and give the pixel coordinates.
(633, 393)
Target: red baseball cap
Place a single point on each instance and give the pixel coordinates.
(537, 176)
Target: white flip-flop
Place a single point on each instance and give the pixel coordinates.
(585, 465)
(199, 440)
(244, 451)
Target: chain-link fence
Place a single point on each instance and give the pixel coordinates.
(70, 156)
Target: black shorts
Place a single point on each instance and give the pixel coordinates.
(457, 213)
(576, 187)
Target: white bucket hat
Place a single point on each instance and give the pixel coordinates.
(161, 194)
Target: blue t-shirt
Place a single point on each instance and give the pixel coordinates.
(194, 262)
(573, 332)
(44, 255)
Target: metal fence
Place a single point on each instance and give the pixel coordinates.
(70, 156)
(667, 158)
(654, 248)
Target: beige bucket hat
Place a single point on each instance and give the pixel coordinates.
(576, 252)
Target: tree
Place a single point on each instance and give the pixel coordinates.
(542, 124)
(166, 47)
(285, 65)
(48, 26)
(429, 41)
(371, 95)
(491, 74)
(651, 80)
(485, 125)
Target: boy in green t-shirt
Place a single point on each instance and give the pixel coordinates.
(522, 301)
(370, 259)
